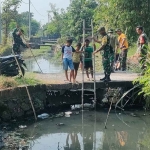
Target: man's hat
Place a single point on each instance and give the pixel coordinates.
(101, 29)
(118, 30)
(110, 31)
(21, 30)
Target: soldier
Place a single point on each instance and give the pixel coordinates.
(142, 45)
(17, 40)
(106, 53)
(123, 45)
(113, 43)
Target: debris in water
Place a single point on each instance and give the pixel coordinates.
(59, 115)
(43, 116)
(22, 127)
(60, 124)
(86, 105)
(74, 107)
(105, 100)
(119, 113)
(68, 113)
(77, 113)
(133, 115)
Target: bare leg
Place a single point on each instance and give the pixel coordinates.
(91, 70)
(81, 65)
(72, 74)
(66, 74)
(87, 73)
(75, 73)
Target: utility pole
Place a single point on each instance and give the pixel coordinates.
(0, 24)
(29, 20)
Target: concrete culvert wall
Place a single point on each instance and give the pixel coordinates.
(14, 103)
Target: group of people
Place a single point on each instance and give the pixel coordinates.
(113, 50)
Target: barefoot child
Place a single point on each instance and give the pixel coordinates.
(76, 60)
(88, 64)
(67, 51)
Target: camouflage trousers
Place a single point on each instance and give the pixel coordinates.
(106, 62)
(143, 58)
(123, 59)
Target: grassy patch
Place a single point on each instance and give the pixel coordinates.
(132, 50)
(37, 52)
(8, 82)
(5, 50)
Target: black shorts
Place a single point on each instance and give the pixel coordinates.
(76, 66)
(88, 64)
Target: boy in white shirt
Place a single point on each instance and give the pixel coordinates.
(67, 51)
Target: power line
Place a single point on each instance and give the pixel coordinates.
(37, 10)
(24, 2)
(34, 8)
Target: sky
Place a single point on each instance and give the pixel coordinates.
(40, 8)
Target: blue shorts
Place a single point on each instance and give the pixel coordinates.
(67, 63)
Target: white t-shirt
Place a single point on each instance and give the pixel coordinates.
(67, 51)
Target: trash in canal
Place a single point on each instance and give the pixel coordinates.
(60, 124)
(133, 115)
(43, 116)
(22, 127)
(67, 114)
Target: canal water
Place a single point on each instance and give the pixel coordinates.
(86, 131)
(46, 63)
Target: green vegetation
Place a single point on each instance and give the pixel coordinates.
(10, 17)
(11, 82)
(37, 52)
(5, 50)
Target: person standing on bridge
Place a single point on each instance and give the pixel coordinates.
(123, 45)
(67, 51)
(105, 48)
(114, 44)
(142, 46)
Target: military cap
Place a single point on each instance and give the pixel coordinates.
(110, 31)
(101, 29)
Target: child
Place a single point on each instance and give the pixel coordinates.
(67, 51)
(88, 50)
(76, 60)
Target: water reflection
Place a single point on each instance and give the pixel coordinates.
(90, 135)
(46, 64)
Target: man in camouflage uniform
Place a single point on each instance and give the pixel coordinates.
(142, 46)
(17, 40)
(113, 43)
(106, 53)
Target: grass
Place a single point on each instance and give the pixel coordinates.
(12, 82)
(37, 52)
(5, 50)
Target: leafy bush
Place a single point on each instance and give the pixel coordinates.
(5, 50)
(145, 81)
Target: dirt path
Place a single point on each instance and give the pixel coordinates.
(59, 78)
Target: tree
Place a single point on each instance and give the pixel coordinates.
(70, 23)
(9, 14)
(124, 14)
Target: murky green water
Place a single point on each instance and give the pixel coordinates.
(46, 64)
(86, 132)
